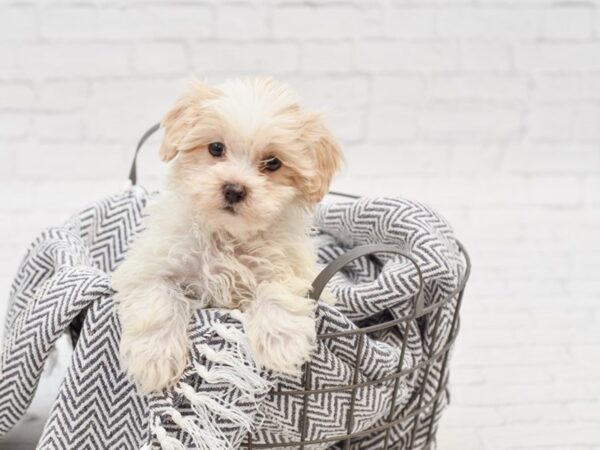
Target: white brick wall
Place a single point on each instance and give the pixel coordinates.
(487, 109)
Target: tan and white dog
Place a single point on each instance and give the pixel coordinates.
(230, 229)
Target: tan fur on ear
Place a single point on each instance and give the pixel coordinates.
(327, 158)
(182, 116)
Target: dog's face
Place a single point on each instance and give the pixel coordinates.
(245, 151)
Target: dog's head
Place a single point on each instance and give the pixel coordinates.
(244, 151)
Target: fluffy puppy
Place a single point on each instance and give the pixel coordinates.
(230, 230)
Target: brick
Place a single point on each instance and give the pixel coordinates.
(524, 394)
(591, 188)
(556, 191)
(16, 96)
(487, 22)
(391, 122)
(160, 59)
(59, 127)
(565, 435)
(585, 411)
(516, 375)
(347, 125)
(472, 415)
(557, 87)
(14, 126)
(72, 60)
(558, 57)
(9, 63)
(269, 58)
(81, 21)
(373, 159)
(384, 56)
(477, 159)
(117, 22)
(471, 121)
(243, 21)
(410, 22)
(62, 95)
(16, 195)
(7, 158)
(397, 89)
(549, 121)
(326, 57)
(479, 87)
(587, 121)
(327, 21)
(56, 161)
(18, 23)
(463, 438)
(147, 101)
(534, 413)
(490, 56)
(332, 93)
(556, 158)
(488, 191)
(466, 376)
(591, 87)
(568, 21)
(494, 223)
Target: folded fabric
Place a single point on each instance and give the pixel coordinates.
(224, 399)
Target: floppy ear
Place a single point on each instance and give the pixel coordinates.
(326, 155)
(184, 114)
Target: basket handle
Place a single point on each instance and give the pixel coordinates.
(341, 261)
(133, 170)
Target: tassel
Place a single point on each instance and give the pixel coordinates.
(203, 439)
(201, 402)
(166, 442)
(240, 369)
(248, 382)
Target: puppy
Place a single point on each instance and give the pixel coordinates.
(230, 230)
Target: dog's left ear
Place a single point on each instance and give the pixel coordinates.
(184, 114)
(326, 155)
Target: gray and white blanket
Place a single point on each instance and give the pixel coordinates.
(224, 400)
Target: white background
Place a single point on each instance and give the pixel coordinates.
(489, 110)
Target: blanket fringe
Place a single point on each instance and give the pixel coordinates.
(166, 442)
(202, 402)
(231, 367)
(204, 439)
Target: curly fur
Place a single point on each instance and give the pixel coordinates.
(197, 251)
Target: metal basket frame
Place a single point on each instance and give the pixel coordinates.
(420, 311)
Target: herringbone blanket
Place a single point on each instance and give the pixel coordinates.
(224, 399)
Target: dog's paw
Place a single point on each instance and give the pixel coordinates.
(153, 364)
(281, 338)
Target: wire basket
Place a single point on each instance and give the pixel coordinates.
(421, 313)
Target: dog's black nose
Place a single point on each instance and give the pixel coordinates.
(234, 193)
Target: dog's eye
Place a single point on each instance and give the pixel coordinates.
(272, 164)
(216, 149)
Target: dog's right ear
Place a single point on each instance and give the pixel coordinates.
(182, 117)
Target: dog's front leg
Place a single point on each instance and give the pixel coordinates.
(280, 326)
(154, 343)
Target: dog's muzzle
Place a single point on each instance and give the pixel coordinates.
(234, 193)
